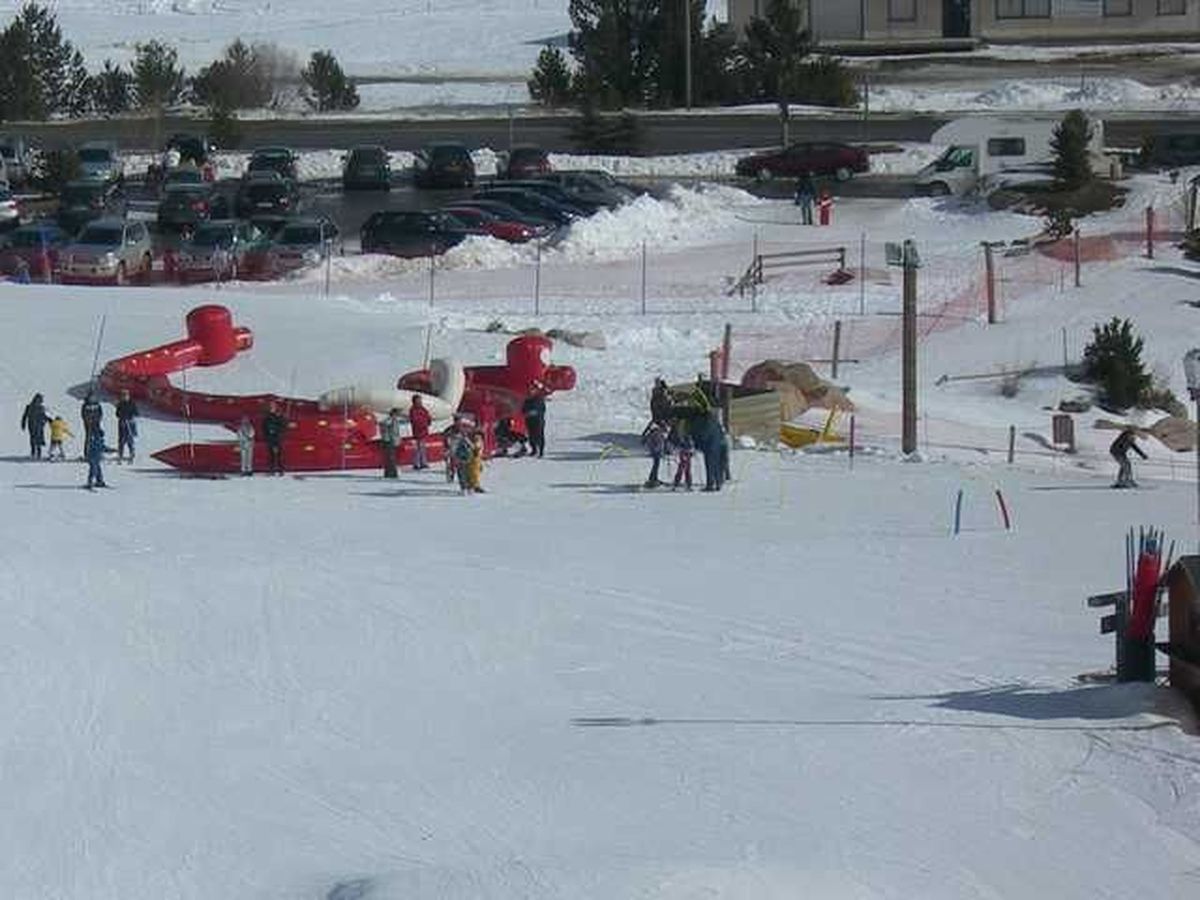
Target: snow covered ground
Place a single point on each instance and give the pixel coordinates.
(334, 687)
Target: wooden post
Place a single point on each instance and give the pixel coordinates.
(1078, 272)
(726, 351)
(1150, 232)
(756, 267)
(908, 441)
(989, 267)
(837, 346)
(1012, 443)
(852, 436)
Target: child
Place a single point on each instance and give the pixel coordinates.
(460, 453)
(245, 436)
(656, 444)
(59, 432)
(683, 469)
(475, 464)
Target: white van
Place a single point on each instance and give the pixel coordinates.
(985, 152)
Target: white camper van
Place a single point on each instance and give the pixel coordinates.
(984, 152)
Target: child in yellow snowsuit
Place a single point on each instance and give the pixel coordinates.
(475, 464)
(59, 432)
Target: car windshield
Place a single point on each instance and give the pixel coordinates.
(80, 195)
(95, 155)
(445, 154)
(106, 235)
(185, 176)
(300, 234)
(367, 157)
(269, 161)
(257, 193)
(32, 238)
(213, 237)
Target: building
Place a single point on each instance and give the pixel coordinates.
(896, 24)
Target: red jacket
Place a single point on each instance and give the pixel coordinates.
(419, 419)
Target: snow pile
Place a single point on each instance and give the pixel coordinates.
(1102, 93)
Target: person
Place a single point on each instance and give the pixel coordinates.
(475, 463)
(508, 435)
(684, 448)
(21, 275)
(656, 444)
(34, 420)
(245, 436)
(127, 413)
(461, 451)
(419, 421)
(59, 432)
(274, 426)
(806, 194)
(534, 410)
(450, 438)
(660, 401)
(92, 414)
(93, 452)
(726, 453)
(1125, 441)
(389, 436)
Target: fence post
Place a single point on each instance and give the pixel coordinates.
(852, 435)
(862, 273)
(756, 274)
(537, 281)
(1012, 443)
(726, 351)
(837, 346)
(643, 278)
(432, 268)
(908, 354)
(1150, 231)
(1078, 272)
(989, 268)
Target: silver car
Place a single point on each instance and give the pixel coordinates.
(107, 251)
(100, 161)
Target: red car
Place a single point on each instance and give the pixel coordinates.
(523, 162)
(818, 158)
(480, 221)
(37, 245)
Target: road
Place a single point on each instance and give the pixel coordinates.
(661, 133)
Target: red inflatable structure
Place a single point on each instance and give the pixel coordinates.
(317, 439)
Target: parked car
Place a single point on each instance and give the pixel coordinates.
(481, 221)
(524, 161)
(529, 202)
(596, 188)
(273, 159)
(818, 157)
(510, 214)
(193, 148)
(410, 234)
(551, 191)
(107, 251)
(301, 242)
(184, 206)
(79, 202)
(444, 166)
(266, 196)
(101, 161)
(37, 245)
(367, 168)
(1170, 150)
(183, 175)
(10, 211)
(18, 160)
(222, 251)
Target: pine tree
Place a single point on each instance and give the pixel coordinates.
(1072, 157)
(616, 48)
(1113, 360)
(327, 87)
(41, 73)
(550, 84)
(238, 80)
(773, 56)
(158, 79)
(112, 89)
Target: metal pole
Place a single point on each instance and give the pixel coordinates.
(1197, 396)
(1066, 360)
(754, 276)
(989, 266)
(432, 266)
(537, 282)
(1012, 443)
(862, 274)
(1078, 279)
(643, 278)
(328, 269)
(687, 56)
(96, 355)
(726, 351)
(909, 361)
(1150, 232)
(837, 346)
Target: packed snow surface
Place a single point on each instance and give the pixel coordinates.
(337, 687)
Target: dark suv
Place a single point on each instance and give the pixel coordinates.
(80, 202)
(184, 206)
(818, 158)
(273, 159)
(367, 168)
(444, 166)
(410, 234)
(266, 196)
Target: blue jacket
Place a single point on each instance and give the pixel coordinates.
(93, 449)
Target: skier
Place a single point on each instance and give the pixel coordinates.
(245, 436)
(534, 410)
(273, 427)
(59, 432)
(656, 443)
(127, 413)
(806, 195)
(389, 434)
(1125, 441)
(34, 420)
(419, 420)
(93, 452)
(660, 402)
(460, 453)
(684, 448)
(475, 464)
(508, 435)
(92, 413)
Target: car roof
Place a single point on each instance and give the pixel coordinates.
(189, 187)
(271, 151)
(372, 147)
(108, 222)
(99, 145)
(263, 175)
(96, 183)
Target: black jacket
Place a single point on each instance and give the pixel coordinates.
(273, 427)
(1125, 442)
(534, 408)
(126, 411)
(91, 413)
(34, 418)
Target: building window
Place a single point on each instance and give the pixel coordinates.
(1172, 7)
(902, 10)
(1118, 7)
(1023, 9)
(1009, 146)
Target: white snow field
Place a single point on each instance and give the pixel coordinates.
(338, 688)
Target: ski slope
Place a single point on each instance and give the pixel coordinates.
(334, 687)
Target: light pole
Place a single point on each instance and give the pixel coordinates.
(1191, 368)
